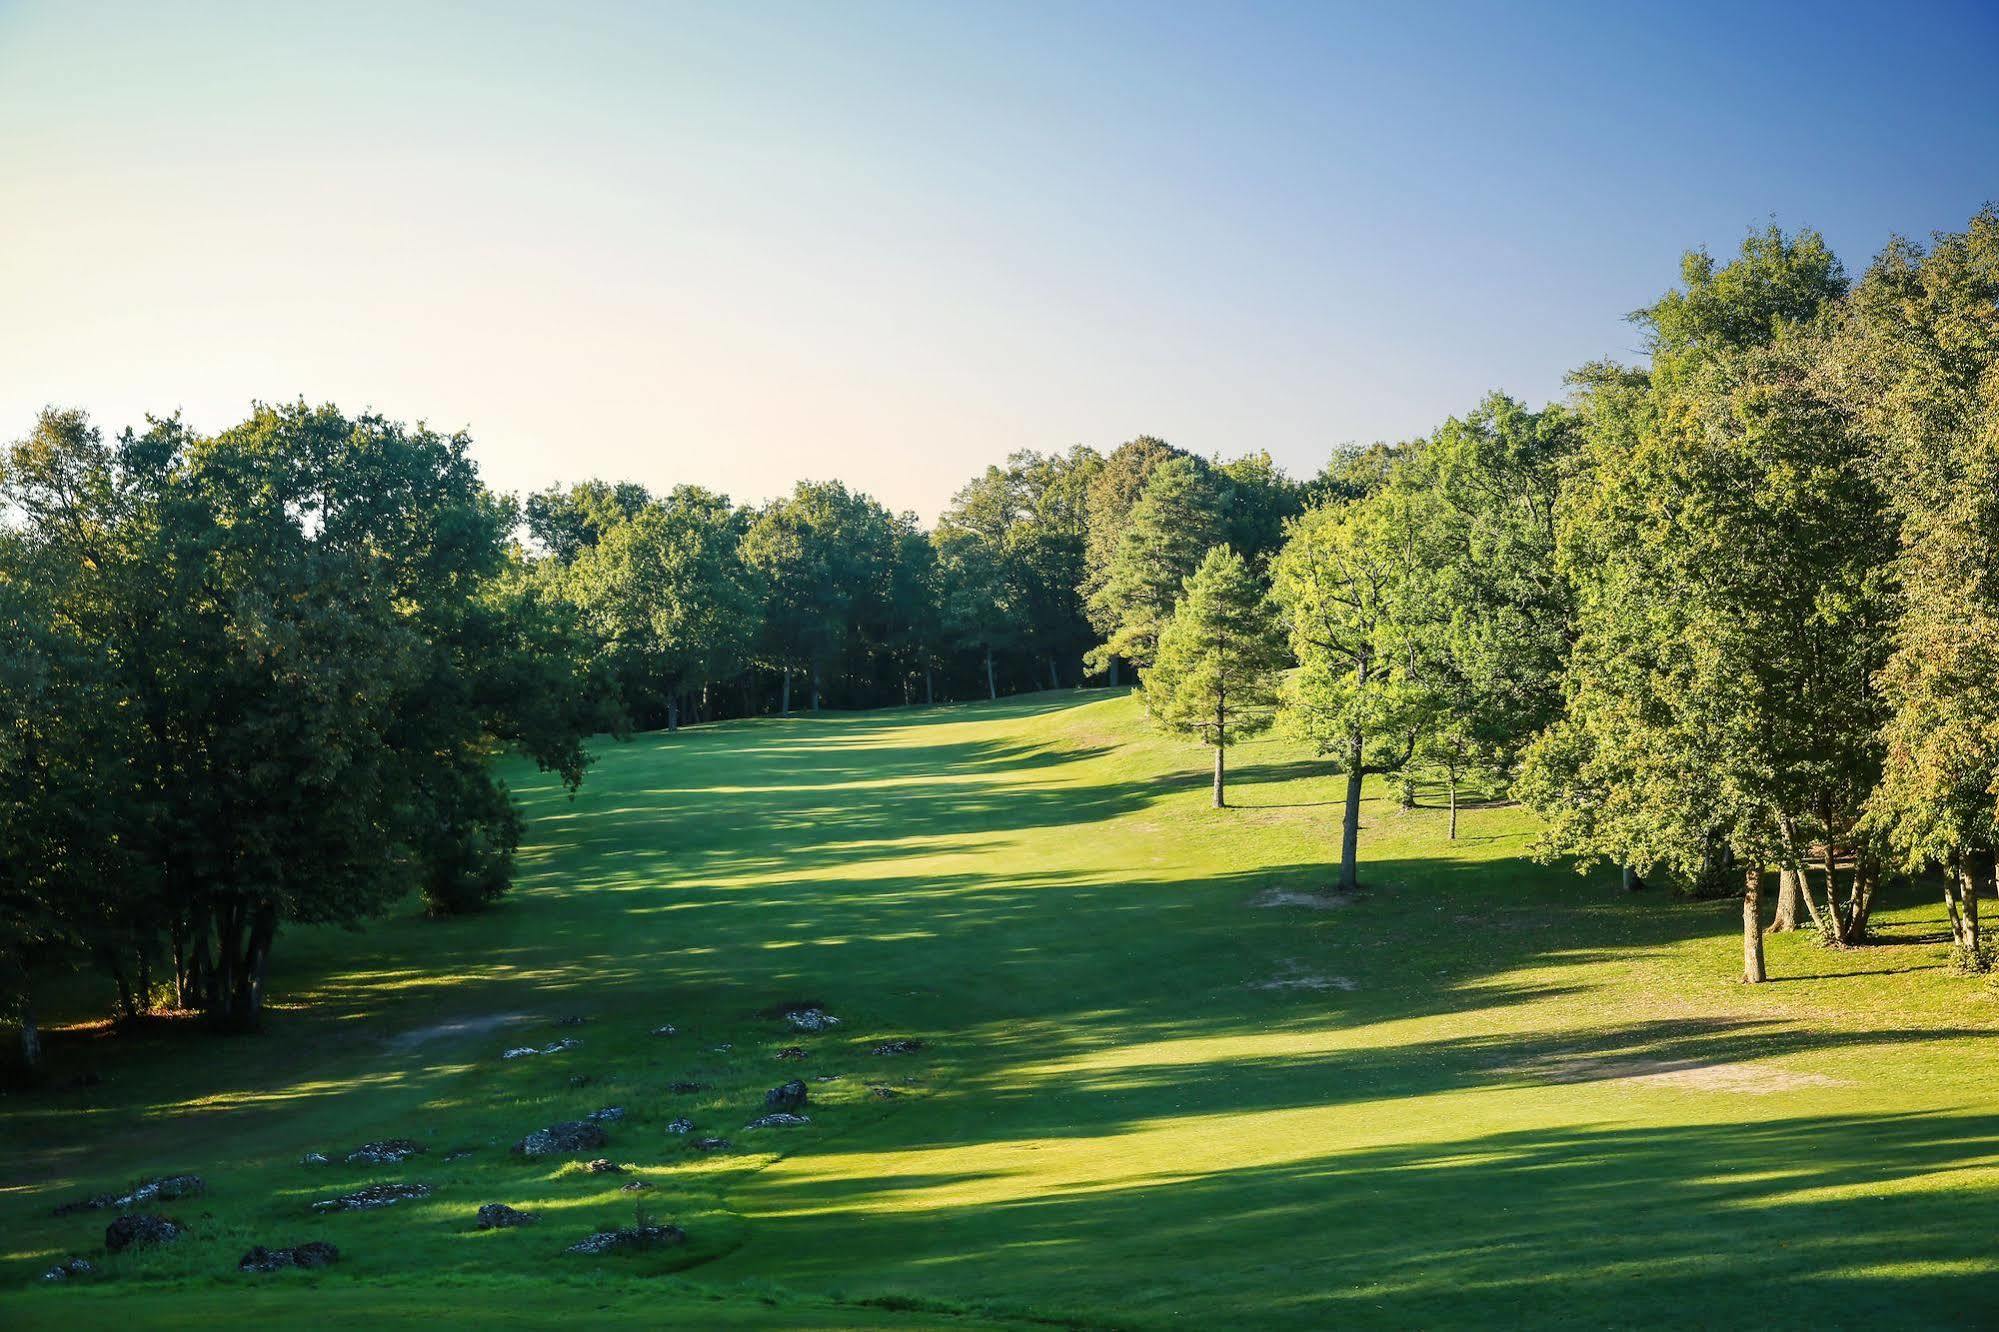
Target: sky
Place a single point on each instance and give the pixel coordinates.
(743, 244)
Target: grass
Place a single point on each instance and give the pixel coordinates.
(1485, 1092)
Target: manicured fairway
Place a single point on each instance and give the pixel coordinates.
(1167, 1078)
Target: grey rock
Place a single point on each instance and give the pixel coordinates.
(574, 1135)
(791, 1096)
(375, 1195)
(681, 1125)
(604, 1166)
(778, 1121)
(70, 1269)
(163, 1189)
(666, 1029)
(901, 1046)
(636, 1186)
(315, 1159)
(499, 1216)
(711, 1144)
(314, 1253)
(811, 1019)
(141, 1229)
(389, 1151)
(630, 1237)
(610, 1114)
(689, 1088)
(792, 1052)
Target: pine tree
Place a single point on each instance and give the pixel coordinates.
(1175, 522)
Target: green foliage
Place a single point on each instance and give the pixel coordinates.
(1219, 657)
(1176, 520)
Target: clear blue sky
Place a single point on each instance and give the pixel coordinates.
(739, 244)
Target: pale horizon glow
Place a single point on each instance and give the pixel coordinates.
(891, 243)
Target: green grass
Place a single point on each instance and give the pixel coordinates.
(1490, 1093)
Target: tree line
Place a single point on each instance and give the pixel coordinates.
(1728, 613)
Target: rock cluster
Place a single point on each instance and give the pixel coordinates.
(811, 1019)
(375, 1195)
(681, 1125)
(499, 1216)
(70, 1270)
(164, 1189)
(604, 1165)
(792, 1052)
(610, 1114)
(142, 1229)
(389, 1151)
(556, 1047)
(315, 1253)
(711, 1144)
(791, 1096)
(630, 1237)
(900, 1046)
(572, 1135)
(666, 1029)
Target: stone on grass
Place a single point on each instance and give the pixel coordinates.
(573, 1020)
(389, 1151)
(666, 1029)
(141, 1228)
(792, 1052)
(458, 1153)
(610, 1114)
(573, 1135)
(630, 1238)
(70, 1269)
(681, 1125)
(711, 1144)
(604, 1165)
(790, 1096)
(314, 1253)
(882, 1092)
(811, 1019)
(315, 1159)
(557, 1047)
(375, 1195)
(166, 1188)
(499, 1216)
(900, 1046)
(779, 1120)
(636, 1186)
(689, 1088)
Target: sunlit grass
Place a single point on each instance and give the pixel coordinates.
(1487, 1092)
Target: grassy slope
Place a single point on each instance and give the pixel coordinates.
(1516, 1097)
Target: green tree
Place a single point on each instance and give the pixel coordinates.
(1219, 660)
(1113, 490)
(1173, 525)
(1343, 581)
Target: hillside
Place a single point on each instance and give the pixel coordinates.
(1165, 1077)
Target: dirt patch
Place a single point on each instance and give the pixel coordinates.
(1285, 897)
(465, 1026)
(1689, 1074)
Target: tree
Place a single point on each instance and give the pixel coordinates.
(1343, 581)
(1256, 500)
(1173, 525)
(568, 522)
(1219, 660)
(1919, 359)
(1112, 492)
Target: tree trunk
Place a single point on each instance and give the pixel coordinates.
(1453, 778)
(672, 712)
(1787, 902)
(1054, 676)
(1350, 821)
(31, 1038)
(929, 693)
(1114, 672)
(1632, 883)
(992, 690)
(815, 686)
(1221, 802)
(1752, 927)
(785, 707)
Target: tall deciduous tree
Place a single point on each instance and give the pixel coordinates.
(1219, 660)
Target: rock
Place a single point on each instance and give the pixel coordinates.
(519, 1052)
(499, 1216)
(315, 1253)
(792, 1052)
(810, 1019)
(557, 1047)
(375, 1195)
(604, 1166)
(681, 1125)
(573, 1020)
(689, 1088)
(610, 1114)
(636, 1186)
(900, 1046)
(458, 1153)
(581, 1080)
(631, 1237)
(315, 1159)
(777, 1121)
(790, 1096)
(883, 1093)
(143, 1229)
(665, 1029)
(389, 1151)
(711, 1144)
(723, 1048)
(574, 1135)
(164, 1189)
(70, 1269)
